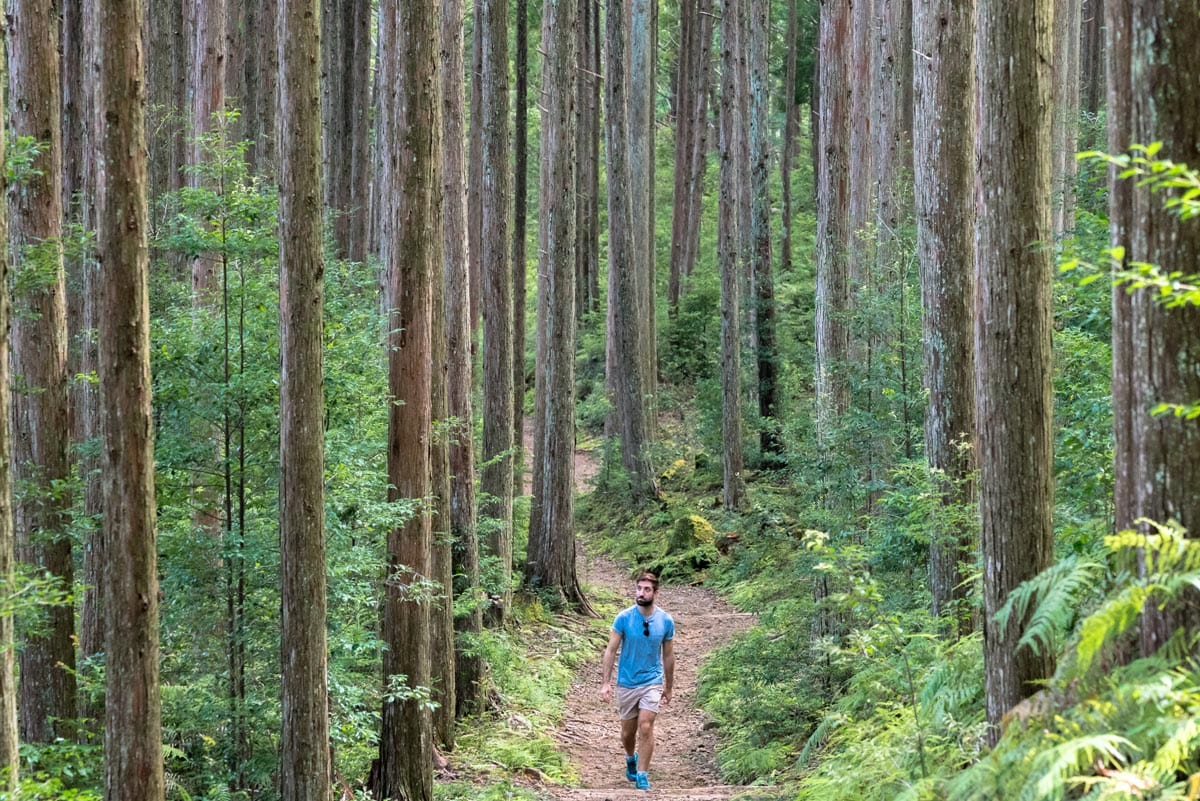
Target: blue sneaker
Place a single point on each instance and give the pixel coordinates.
(631, 770)
(643, 781)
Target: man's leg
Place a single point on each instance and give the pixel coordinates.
(629, 730)
(645, 735)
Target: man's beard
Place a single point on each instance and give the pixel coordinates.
(644, 601)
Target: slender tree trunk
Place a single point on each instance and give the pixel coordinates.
(497, 481)
(39, 353)
(624, 350)
(519, 265)
(1012, 331)
(1166, 342)
(359, 199)
(442, 567)
(336, 48)
(641, 87)
(475, 167)
(685, 136)
(862, 171)
(206, 88)
(833, 217)
(791, 112)
(166, 73)
(455, 259)
(133, 759)
(551, 558)
(9, 763)
(698, 159)
(304, 762)
(1091, 56)
(1119, 110)
(412, 249)
(79, 198)
(734, 493)
(1065, 116)
(944, 177)
(767, 355)
(587, 132)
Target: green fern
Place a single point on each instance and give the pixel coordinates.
(1056, 592)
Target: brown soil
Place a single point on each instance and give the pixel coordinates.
(684, 765)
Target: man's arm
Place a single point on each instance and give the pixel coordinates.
(610, 658)
(668, 655)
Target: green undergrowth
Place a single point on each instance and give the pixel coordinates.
(505, 752)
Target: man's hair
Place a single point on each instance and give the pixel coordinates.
(646, 575)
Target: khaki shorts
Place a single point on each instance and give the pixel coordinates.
(630, 700)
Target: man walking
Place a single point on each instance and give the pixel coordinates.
(644, 634)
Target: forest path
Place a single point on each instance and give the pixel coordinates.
(684, 766)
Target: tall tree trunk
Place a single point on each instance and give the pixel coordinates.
(791, 118)
(685, 135)
(1119, 111)
(494, 245)
(698, 159)
(551, 558)
(39, 354)
(1065, 115)
(79, 198)
(641, 86)
(519, 265)
(9, 763)
(441, 565)
(587, 131)
(206, 89)
(1091, 56)
(468, 666)
(1165, 66)
(728, 251)
(304, 762)
(862, 171)
(1013, 390)
(475, 169)
(359, 199)
(133, 758)
(412, 249)
(892, 118)
(944, 177)
(337, 47)
(167, 87)
(767, 355)
(624, 348)
(833, 217)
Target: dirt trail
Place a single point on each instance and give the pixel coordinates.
(684, 765)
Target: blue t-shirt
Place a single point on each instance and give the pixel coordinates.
(642, 637)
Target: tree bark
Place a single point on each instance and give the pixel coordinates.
(412, 251)
(475, 169)
(734, 483)
(1065, 115)
(833, 218)
(132, 733)
(641, 86)
(685, 137)
(862, 171)
(1013, 263)
(1165, 65)
(497, 480)
(39, 353)
(206, 88)
(359, 198)
(468, 666)
(944, 177)
(767, 355)
(550, 565)
(167, 87)
(624, 348)
(441, 568)
(791, 112)
(1119, 111)
(587, 208)
(519, 232)
(305, 773)
(1092, 56)
(9, 763)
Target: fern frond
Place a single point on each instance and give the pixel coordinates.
(1048, 778)
(1053, 596)
(1102, 627)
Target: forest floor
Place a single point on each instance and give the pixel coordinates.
(684, 765)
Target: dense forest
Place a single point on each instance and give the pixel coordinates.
(340, 342)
